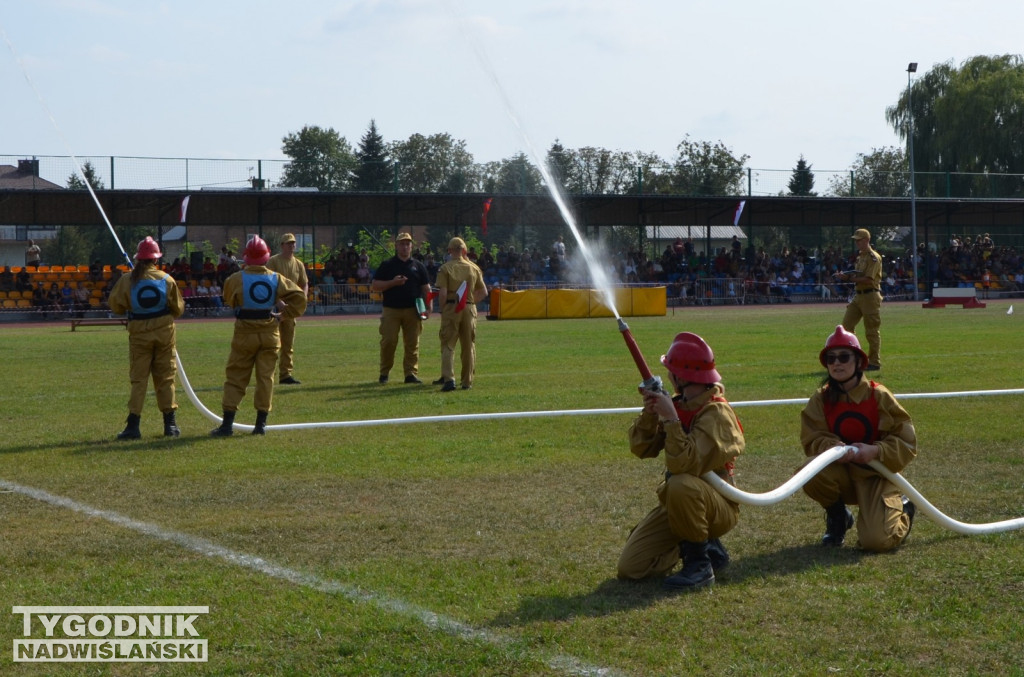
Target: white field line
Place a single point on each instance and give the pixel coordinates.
(565, 663)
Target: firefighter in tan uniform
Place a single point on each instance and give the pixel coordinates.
(151, 300)
(287, 265)
(458, 314)
(867, 296)
(699, 432)
(853, 410)
(258, 296)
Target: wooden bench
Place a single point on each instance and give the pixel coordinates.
(98, 321)
(945, 296)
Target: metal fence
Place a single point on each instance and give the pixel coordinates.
(145, 173)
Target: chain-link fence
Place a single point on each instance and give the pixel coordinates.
(144, 173)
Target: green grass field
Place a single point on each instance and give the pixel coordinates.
(489, 547)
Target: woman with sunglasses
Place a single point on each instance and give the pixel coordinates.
(849, 409)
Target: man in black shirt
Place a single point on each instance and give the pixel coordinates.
(402, 279)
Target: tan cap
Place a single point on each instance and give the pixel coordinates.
(456, 243)
(403, 236)
(861, 234)
(287, 237)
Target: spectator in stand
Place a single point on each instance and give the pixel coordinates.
(202, 295)
(81, 299)
(53, 297)
(215, 295)
(96, 272)
(33, 254)
(39, 301)
(7, 280)
(23, 281)
(189, 295)
(67, 297)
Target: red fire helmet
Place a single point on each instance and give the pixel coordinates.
(690, 359)
(148, 250)
(256, 252)
(841, 338)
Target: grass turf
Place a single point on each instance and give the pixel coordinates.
(511, 527)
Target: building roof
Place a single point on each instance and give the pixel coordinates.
(694, 232)
(17, 178)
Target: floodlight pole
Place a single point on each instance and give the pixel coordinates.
(911, 69)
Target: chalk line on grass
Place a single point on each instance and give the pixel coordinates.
(565, 663)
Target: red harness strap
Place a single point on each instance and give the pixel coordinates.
(686, 419)
(854, 421)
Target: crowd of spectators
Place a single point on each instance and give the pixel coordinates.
(746, 271)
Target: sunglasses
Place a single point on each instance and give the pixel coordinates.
(842, 358)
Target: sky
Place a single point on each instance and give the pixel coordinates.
(229, 79)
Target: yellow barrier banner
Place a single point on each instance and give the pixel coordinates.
(534, 304)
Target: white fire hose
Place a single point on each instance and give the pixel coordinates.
(732, 493)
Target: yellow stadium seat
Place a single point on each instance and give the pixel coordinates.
(97, 293)
(23, 303)
(9, 303)
(95, 302)
(43, 269)
(83, 269)
(56, 269)
(15, 269)
(3, 295)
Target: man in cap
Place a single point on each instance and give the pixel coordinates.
(292, 268)
(460, 286)
(866, 301)
(403, 280)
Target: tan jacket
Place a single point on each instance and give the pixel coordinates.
(897, 440)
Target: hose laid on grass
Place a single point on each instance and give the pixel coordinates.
(729, 491)
(825, 458)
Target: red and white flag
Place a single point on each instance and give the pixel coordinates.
(461, 294)
(184, 209)
(739, 212)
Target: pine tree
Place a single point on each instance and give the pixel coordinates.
(802, 181)
(375, 171)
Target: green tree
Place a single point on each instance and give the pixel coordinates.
(434, 164)
(968, 120)
(375, 172)
(703, 168)
(320, 158)
(75, 182)
(880, 173)
(802, 181)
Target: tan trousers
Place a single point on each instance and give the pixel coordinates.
(690, 510)
(287, 363)
(869, 307)
(458, 328)
(151, 353)
(248, 350)
(408, 321)
(881, 522)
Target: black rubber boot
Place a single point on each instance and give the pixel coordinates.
(261, 423)
(696, 572)
(838, 520)
(225, 429)
(171, 428)
(131, 430)
(910, 509)
(718, 555)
